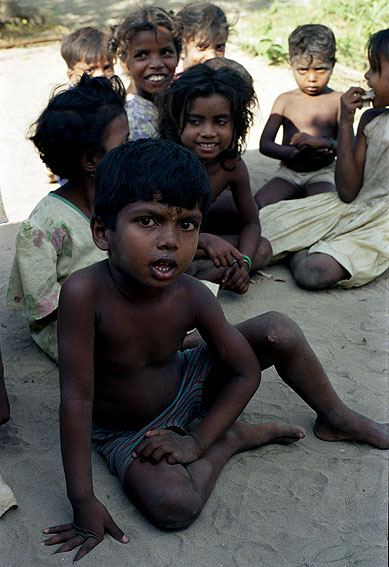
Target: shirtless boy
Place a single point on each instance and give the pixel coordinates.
(309, 116)
(121, 323)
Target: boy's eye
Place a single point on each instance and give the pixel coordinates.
(194, 121)
(221, 121)
(146, 221)
(90, 70)
(220, 47)
(188, 225)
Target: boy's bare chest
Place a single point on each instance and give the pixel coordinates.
(311, 114)
(141, 335)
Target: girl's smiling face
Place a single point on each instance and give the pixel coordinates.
(208, 129)
(151, 61)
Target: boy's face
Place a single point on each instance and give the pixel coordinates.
(198, 50)
(101, 68)
(153, 243)
(379, 82)
(208, 129)
(151, 61)
(311, 74)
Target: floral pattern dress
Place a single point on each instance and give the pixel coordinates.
(52, 243)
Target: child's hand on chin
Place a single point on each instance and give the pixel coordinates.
(90, 522)
(165, 443)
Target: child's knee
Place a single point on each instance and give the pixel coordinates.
(316, 272)
(278, 330)
(176, 509)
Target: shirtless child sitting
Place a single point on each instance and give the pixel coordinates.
(124, 380)
(309, 116)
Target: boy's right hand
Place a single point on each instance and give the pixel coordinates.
(349, 102)
(87, 530)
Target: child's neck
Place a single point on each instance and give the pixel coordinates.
(80, 192)
(132, 290)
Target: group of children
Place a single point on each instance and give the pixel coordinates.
(126, 388)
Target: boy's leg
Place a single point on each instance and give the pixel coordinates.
(277, 189)
(316, 271)
(319, 187)
(277, 340)
(172, 496)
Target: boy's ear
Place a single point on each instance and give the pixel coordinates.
(99, 233)
(89, 161)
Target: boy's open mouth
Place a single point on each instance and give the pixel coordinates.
(164, 269)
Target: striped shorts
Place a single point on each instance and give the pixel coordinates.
(117, 446)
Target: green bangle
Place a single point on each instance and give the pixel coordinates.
(248, 261)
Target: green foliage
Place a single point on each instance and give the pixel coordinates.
(352, 22)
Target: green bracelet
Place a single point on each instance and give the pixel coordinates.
(248, 261)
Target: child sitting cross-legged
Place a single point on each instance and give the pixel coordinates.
(309, 118)
(128, 390)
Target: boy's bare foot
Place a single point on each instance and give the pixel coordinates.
(245, 436)
(353, 427)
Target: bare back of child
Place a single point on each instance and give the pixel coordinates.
(217, 114)
(119, 371)
(309, 117)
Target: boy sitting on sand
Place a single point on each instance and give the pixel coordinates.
(121, 324)
(309, 116)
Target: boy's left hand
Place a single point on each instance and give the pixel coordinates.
(165, 443)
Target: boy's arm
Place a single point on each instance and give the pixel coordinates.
(4, 403)
(351, 153)
(238, 367)
(267, 145)
(76, 318)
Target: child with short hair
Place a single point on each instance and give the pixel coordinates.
(86, 51)
(126, 382)
(309, 117)
(204, 32)
(343, 238)
(147, 42)
(208, 111)
(77, 128)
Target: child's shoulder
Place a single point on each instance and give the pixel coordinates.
(86, 281)
(369, 115)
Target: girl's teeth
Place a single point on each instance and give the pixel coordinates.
(156, 77)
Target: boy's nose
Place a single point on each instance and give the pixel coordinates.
(168, 238)
(312, 77)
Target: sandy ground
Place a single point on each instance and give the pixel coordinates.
(314, 504)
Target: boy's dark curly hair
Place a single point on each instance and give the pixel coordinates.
(202, 81)
(148, 18)
(313, 40)
(377, 47)
(74, 121)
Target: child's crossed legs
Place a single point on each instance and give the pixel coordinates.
(173, 495)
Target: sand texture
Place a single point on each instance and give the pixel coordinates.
(313, 504)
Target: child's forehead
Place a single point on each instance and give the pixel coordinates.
(156, 205)
(309, 60)
(215, 102)
(206, 38)
(100, 61)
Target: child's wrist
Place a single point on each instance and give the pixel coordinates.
(247, 262)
